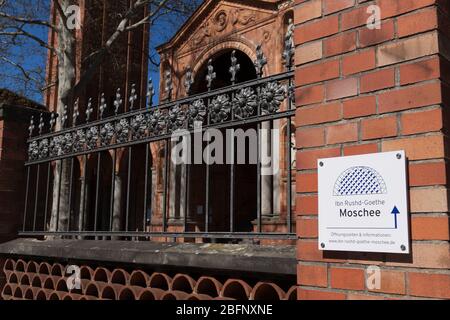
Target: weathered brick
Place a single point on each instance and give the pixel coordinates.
(358, 62)
(429, 285)
(316, 29)
(427, 174)
(360, 149)
(410, 97)
(378, 80)
(331, 6)
(417, 22)
(308, 294)
(408, 49)
(392, 282)
(310, 137)
(306, 182)
(346, 278)
(309, 95)
(308, 52)
(342, 133)
(308, 159)
(420, 71)
(360, 107)
(379, 128)
(341, 89)
(368, 37)
(339, 44)
(318, 114)
(312, 275)
(428, 200)
(391, 8)
(308, 11)
(306, 205)
(354, 18)
(316, 73)
(418, 148)
(422, 121)
(307, 228)
(430, 228)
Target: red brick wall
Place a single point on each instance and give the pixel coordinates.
(364, 91)
(14, 122)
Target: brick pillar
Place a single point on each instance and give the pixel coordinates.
(362, 91)
(14, 122)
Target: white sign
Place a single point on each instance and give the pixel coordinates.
(363, 203)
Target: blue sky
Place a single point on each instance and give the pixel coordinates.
(33, 56)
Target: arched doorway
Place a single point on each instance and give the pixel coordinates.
(245, 197)
(221, 62)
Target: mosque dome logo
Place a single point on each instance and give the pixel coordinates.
(359, 181)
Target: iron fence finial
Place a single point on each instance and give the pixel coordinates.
(76, 112)
(117, 102)
(150, 92)
(32, 126)
(211, 76)
(103, 105)
(133, 96)
(189, 80)
(89, 110)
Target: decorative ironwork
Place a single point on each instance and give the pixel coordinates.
(289, 46)
(272, 96)
(196, 114)
(53, 121)
(43, 149)
(211, 76)
(41, 124)
(235, 67)
(150, 93)
(133, 96)
(65, 117)
(245, 103)
(76, 113)
(260, 62)
(31, 127)
(106, 134)
(168, 88)
(33, 150)
(67, 143)
(138, 126)
(55, 148)
(79, 141)
(89, 110)
(103, 106)
(188, 80)
(122, 131)
(92, 136)
(250, 103)
(156, 123)
(175, 119)
(117, 102)
(220, 109)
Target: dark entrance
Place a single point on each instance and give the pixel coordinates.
(245, 197)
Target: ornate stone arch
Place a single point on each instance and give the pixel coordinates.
(237, 43)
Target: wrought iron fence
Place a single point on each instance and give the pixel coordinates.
(57, 202)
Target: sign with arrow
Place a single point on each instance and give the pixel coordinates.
(363, 203)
